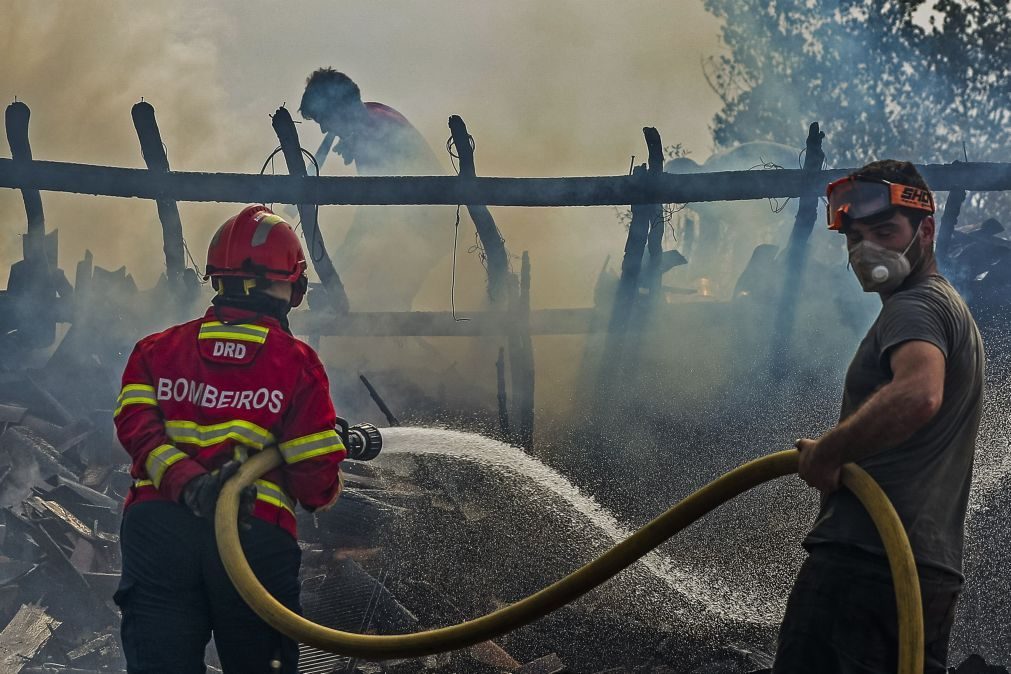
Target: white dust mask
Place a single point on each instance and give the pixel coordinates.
(879, 269)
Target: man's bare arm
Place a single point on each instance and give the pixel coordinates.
(890, 416)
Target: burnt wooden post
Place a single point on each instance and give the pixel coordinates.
(287, 135)
(643, 221)
(795, 254)
(503, 401)
(320, 155)
(624, 310)
(31, 287)
(484, 223)
(502, 292)
(631, 262)
(16, 119)
(654, 241)
(153, 149)
(952, 209)
(645, 229)
(521, 359)
(807, 209)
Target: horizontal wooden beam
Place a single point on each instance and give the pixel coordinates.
(407, 190)
(491, 323)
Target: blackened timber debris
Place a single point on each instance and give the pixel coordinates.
(391, 419)
(24, 636)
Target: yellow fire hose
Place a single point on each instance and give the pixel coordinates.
(580, 581)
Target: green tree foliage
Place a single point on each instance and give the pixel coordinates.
(909, 79)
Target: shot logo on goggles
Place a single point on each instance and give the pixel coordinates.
(205, 395)
(916, 198)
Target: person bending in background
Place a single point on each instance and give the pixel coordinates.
(380, 141)
(197, 400)
(910, 415)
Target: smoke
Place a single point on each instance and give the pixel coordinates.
(560, 89)
(80, 67)
(546, 89)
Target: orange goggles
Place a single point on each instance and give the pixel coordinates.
(859, 198)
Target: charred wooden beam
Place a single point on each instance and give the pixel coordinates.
(487, 231)
(450, 190)
(153, 149)
(287, 135)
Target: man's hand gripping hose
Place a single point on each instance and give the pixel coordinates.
(580, 581)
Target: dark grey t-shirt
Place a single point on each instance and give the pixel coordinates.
(926, 477)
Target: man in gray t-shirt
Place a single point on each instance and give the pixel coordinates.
(910, 415)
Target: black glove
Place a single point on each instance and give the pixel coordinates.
(200, 494)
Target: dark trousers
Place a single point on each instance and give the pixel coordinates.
(174, 593)
(841, 615)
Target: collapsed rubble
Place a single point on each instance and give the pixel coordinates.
(60, 494)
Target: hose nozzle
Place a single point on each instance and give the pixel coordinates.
(364, 442)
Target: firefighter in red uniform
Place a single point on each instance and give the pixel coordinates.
(197, 399)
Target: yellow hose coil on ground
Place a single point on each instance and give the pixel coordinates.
(580, 581)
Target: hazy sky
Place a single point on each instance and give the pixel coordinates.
(547, 88)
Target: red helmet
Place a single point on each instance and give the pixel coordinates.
(257, 244)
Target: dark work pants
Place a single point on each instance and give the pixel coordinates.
(174, 593)
(841, 616)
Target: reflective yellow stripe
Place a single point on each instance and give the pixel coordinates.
(309, 446)
(138, 388)
(190, 432)
(234, 336)
(133, 401)
(271, 493)
(248, 327)
(266, 491)
(135, 394)
(243, 332)
(160, 460)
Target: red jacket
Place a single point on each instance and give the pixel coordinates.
(202, 393)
